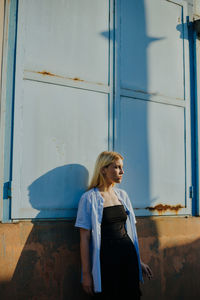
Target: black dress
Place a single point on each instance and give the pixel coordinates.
(119, 263)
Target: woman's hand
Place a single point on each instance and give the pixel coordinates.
(146, 270)
(87, 280)
(87, 283)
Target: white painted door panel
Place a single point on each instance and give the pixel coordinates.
(155, 153)
(62, 104)
(61, 138)
(153, 105)
(151, 48)
(67, 38)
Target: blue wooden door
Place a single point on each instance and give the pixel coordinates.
(66, 110)
(153, 104)
(63, 102)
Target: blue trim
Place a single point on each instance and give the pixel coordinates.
(194, 116)
(195, 137)
(114, 74)
(9, 115)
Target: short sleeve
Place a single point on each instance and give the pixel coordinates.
(83, 219)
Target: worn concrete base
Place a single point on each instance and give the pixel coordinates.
(40, 260)
(170, 245)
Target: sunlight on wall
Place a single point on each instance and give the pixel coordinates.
(13, 237)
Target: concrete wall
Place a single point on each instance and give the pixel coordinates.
(171, 246)
(40, 260)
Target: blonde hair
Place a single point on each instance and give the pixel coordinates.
(104, 159)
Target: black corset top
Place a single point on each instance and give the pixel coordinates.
(113, 222)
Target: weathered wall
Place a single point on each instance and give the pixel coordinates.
(171, 246)
(41, 260)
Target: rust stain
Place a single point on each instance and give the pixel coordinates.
(160, 208)
(51, 74)
(46, 73)
(76, 79)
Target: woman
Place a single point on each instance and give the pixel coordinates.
(111, 266)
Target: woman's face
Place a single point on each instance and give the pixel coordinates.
(114, 172)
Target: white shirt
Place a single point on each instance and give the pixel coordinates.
(89, 216)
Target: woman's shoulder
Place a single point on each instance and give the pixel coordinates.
(122, 193)
(89, 194)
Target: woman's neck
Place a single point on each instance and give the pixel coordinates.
(106, 188)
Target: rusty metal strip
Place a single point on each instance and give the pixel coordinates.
(76, 82)
(162, 208)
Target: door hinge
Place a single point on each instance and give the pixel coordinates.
(191, 192)
(7, 190)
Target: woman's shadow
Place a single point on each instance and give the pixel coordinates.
(49, 264)
(56, 193)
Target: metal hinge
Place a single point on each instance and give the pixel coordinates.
(197, 27)
(191, 192)
(7, 190)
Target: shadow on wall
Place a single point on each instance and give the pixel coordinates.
(189, 27)
(174, 257)
(49, 264)
(49, 261)
(57, 192)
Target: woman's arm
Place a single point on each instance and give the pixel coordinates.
(87, 281)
